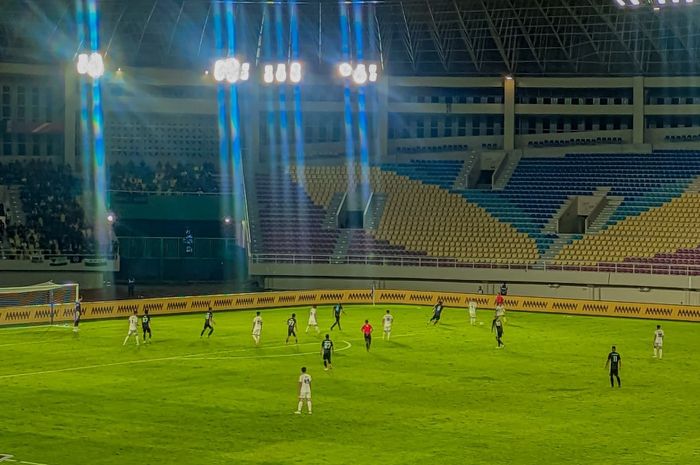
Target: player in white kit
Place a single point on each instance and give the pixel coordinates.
(659, 342)
(388, 320)
(472, 312)
(312, 320)
(304, 391)
(257, 328)
(133, 328)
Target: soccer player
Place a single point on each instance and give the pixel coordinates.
(257, 328)
(292, 328)
(437, 313)
(500, 309)
(388, 320)
(337, 311)
(497, 324)
(146, 326)
(472, 312)
(133, 328)
(77, 313)
(326, 352)
(367, 332)
(659, 342)
(304, 391)
(208, 323)
(312, 320)
(615, 362)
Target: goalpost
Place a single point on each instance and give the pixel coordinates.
(57, 300)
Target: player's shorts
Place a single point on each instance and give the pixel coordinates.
(327, 356)
(614, 371)
(133, 331)
(499, 331)
(435, 317)
(305, 394)
(368, 337)
(256, 332)
(207, 325)
(387, 329)
(659, 344)
(312, 323)
(76, 322)
(290, 332)
(146, 328)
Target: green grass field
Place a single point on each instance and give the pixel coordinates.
(432, 395)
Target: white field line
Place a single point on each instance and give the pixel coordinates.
(183, 357)
(159, 359)
(9, 458)
(27, 328)
(347, 346)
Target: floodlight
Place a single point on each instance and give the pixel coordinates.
(268, 75)
(219, 70)
(295, 72)
(372, 72)
(360, 74)
(82, 63)
(91, 64)
(96, 66)
(281, 73)
(111, 217)
(231, 70)
(345, 69)
(227, 220)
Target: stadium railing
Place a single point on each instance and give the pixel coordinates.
(501, 264)
(38, 314)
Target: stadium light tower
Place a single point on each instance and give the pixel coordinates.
(360, 74)
(281, 73)
(231, 70)
(91, 65)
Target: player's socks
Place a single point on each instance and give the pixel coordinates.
(308, 404)
(655, 352)
(661, 354)
(301, 404)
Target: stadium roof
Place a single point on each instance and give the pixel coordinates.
(409, 37)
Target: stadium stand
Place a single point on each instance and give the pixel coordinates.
(164, 177)
(52, 220)
(289, 222)
(422, 216)
(662, 234)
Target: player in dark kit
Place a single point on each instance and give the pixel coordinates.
(367, 333)
(615, 362)
(337, 311)
(498, 325)
(292, 328)
(326, 352)
(208, 323)
(437, 313)
(146, 326)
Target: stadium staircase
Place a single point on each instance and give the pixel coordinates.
(601, 221)
(511, 164)
(16, 214)
(331, 220)
(376, 210)
(462, 179)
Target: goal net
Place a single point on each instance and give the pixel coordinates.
(55, 301)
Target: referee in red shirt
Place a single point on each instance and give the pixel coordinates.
(367, 332)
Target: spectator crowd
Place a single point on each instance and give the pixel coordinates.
(164, 177)
(54, 220)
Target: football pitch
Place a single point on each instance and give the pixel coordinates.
(431, 395)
